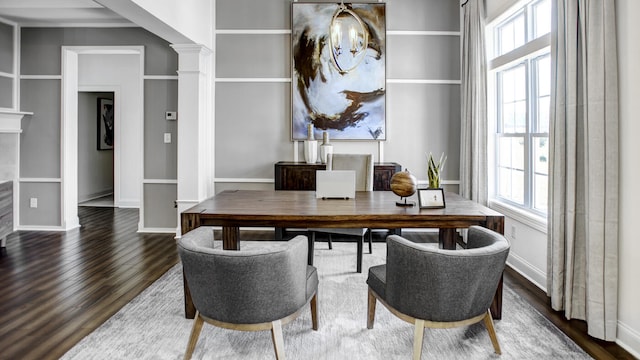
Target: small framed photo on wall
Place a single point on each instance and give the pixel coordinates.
(431, 198)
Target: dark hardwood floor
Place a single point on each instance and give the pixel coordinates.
(57, 287)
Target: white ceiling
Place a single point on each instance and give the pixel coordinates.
(59, 13)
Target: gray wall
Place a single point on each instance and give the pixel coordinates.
(252, 116)
(40, 58)
(95, 167)
(6, 65)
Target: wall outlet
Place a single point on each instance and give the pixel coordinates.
(171, 115)
(167, 138)
(33, 202)
(513, 232)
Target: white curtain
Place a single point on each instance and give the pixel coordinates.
(582, 274)
(473, 126)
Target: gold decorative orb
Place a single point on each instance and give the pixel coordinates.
(403, 184)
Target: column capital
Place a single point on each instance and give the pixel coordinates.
(192, 57)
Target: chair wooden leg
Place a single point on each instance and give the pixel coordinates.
(371, 309)
(359, 259)
(488, 322)
(311, 241)
(314, 311)
(278, 341)
(418, 333)
(195, 334)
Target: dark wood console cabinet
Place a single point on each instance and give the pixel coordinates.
(302, 176)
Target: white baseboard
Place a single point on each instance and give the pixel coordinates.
(157, 230)
(536, 276)
(40, 228)
(129, 203)
(628, 339)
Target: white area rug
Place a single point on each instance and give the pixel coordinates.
(152, 326)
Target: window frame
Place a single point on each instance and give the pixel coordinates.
(532, 51)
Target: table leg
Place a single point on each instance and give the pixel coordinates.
(447, 239)
(279, 233)
(230, 236)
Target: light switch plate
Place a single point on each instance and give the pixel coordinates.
(167, 138)
(171, 115)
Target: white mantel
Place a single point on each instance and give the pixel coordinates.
(10, 129)
(10, 121)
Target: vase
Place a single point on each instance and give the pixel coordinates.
(310, 146)
(310, 151)
(325, 148)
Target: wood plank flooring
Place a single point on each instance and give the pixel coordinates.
(57, 287)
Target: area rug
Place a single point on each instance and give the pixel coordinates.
(152, 326)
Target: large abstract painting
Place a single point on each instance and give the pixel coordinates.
(338, 76)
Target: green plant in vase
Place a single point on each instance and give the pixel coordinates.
(434, 170)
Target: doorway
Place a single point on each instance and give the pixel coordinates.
(103, 69)
(95, 149)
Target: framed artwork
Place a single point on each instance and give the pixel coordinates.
(338, 70)
(105, 124)
(431, 198)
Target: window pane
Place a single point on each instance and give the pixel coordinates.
(541, 155)
(540, 192)
(541, 18)
(521, 117)
(513, 105)
(508, 119)
(543, 67)
(519, 31)
(543, 88)
(511, 34)
(517, 153)
(504, 152)
(517, 186)
(504, 183)
(544, 107)
(511, 168)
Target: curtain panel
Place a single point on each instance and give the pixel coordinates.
(582, 264)
(473, 126)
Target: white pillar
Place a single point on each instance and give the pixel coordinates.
(195, 143)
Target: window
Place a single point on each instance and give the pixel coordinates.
(519, 92)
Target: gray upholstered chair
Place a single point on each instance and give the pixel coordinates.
(362, 164)
(250, 290)
(431, 287)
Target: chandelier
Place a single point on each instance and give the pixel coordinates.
(348, 39)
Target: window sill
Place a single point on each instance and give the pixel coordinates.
(534, 221)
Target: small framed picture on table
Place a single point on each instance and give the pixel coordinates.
(431, 198)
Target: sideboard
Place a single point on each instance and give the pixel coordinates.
(6, 211)
(291, 175)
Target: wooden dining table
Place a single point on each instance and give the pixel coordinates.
(233, 209)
